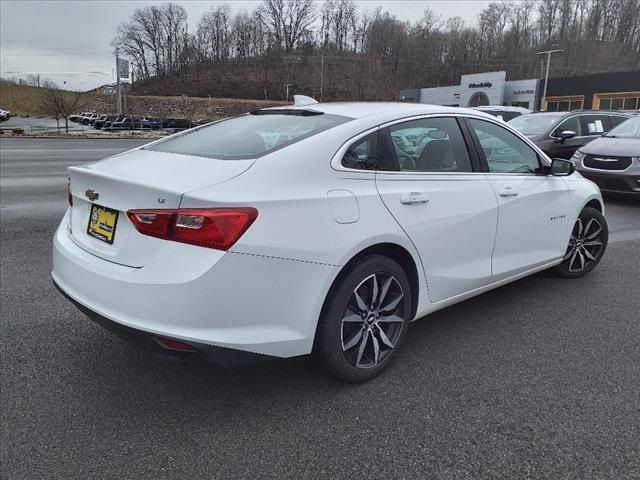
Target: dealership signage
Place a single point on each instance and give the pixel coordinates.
(123, 68)
(524, 92)
(481, 85)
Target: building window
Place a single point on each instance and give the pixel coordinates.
(563, 104)
(617, 101)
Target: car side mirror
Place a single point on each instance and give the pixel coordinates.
(561, 167)
(567, 134)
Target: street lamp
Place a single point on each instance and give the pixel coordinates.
(548, 53)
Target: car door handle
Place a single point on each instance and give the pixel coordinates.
(414, 198)
(508, 192)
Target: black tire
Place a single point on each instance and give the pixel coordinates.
(587, 245)
(381, 332)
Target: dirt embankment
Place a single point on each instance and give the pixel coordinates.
(27, 100)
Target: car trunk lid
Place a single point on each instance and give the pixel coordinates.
(139, 179)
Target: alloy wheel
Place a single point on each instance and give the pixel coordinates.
(585, 245)
(373, 320)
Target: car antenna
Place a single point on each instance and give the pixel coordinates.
(303, 101)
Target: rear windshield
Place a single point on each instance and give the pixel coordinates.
(248, 136)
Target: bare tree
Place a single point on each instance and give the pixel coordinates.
(50, 101)
(214, 33)
(338, 23)
(287, 21)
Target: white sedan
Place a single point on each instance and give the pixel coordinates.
(323, 228)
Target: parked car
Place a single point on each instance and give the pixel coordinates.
(505, 113)
(560, 134)
(104, 120)
(178, 124)
(86, 119)
(99, 118)
(122, 123)
(4, 115)
(78, 116)
(613, 160)
(191, 246)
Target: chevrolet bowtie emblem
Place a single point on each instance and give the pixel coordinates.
(91, 194)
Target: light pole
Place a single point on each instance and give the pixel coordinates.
(548, 53)
(118, 100)
(286, 86)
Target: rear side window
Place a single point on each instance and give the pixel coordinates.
(594, 124)
(617, 120)
(361, 154)
(248, 136)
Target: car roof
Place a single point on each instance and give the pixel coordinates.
(505, 108)
(388, 110)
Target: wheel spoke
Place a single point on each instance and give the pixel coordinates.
(582, 260)
(385, 290)
(580, 229)
(374, 295)
(593, 243)
(353, 319)
(361, 305)
(363, 345)
(354, 341)
(588, 227)
(587, 254)
(376, 349)
(384, 338)
(390, 319)
(391, 306)
(573, 259)
(594, 235)
(568, 254)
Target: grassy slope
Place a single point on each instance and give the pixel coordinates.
(26, 100)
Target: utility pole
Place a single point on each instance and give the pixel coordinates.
(548, 53)
(287, 85)
(322, 77)
(118, 101)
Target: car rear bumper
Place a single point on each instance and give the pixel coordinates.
(225, 357)
(611, 181)
(202, 297)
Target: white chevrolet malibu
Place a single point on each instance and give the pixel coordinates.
(323, 228)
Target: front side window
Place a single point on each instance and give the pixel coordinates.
(430, 145)
(572, 124)
(249, 136)
(536, 123)
(504, 151)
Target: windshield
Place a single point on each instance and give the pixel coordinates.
(535, 124)
(248, 136)
(627, 129)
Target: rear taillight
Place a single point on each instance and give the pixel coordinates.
(217, 228)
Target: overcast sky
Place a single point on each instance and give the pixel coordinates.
(70, 40)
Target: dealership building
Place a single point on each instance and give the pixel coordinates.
(616, 91)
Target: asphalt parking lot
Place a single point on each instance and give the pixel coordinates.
(539, 379)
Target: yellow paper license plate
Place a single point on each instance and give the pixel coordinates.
(102, 223)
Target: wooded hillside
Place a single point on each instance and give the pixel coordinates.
(338, 51)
